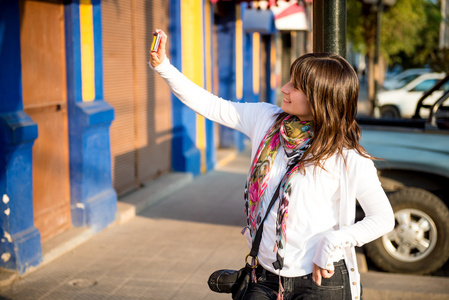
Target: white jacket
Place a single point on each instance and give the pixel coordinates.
(320, 224)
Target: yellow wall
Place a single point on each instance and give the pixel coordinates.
(239, 53)
(87, 50)
(192, 41)
(256, 63)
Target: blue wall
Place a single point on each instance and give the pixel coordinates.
(211, 152)
(186, 157)
(20, 240)
(271, 92)
(93, 198)
(226, 39)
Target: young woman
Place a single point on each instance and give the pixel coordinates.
(307, 246)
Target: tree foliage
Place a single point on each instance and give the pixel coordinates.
(409, 31)
(354, 25)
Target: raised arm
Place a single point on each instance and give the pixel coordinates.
(240, 116)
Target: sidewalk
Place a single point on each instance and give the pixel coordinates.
(168, 250)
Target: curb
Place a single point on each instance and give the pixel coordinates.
(7, 277)
(156, 190)
(63, 243)
(152, 193)
(127, 208)
(224, 156)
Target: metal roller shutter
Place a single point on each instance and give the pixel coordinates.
(153, 95)
(119, 89)
(141, 131)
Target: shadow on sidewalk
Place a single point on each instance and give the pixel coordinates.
(215, 197)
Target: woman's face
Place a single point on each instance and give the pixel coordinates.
(295, 102)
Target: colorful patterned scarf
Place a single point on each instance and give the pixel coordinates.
(295, 137)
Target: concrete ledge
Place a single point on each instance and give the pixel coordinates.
(152, 193)
(7, 277)
(64, 242)
(379, 286)
(51, 250)
(155, 190)
(224, 156)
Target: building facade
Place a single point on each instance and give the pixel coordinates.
(85, 121)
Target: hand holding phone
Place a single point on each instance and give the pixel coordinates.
(156, 42)
(157, 50)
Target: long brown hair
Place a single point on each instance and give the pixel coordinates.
(332, 88)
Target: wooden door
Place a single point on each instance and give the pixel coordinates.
(45, 101)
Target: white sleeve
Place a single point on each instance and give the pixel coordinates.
(378, 220)
(243, 117)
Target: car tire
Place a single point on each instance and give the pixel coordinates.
(418, 244)
(390, 112)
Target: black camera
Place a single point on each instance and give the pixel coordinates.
(222, 281)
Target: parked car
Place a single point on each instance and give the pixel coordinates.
(392, 71)
(415, 174)
(401, 79)
(401, 102)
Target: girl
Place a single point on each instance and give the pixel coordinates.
(307, 246)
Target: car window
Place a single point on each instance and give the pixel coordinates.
(425, 85)
(407, 79)
(445, 86)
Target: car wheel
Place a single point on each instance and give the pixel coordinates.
(418, 244)
(389, 112)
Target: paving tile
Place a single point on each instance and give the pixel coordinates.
(118, 297)
(142, 289)
(23, 293)
(62, 295)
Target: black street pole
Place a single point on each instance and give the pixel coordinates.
(329, 26)
(380, 8)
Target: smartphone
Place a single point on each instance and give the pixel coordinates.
(156, 42)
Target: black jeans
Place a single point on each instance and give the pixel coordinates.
(303, 287)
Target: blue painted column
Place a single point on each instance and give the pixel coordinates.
(227, 89)
(93, 198)
(186, 157)
(248, 70)
(248, 67)
(211, 151)
(20, 244)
